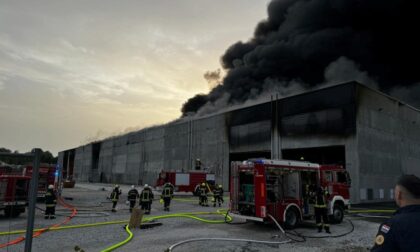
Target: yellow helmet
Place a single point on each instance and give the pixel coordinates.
(203, 184)
(220, 186)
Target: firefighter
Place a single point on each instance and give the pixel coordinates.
(198, 164)
(115, 195)
(50, 202)
(203, 195)
(321, 202)
(218, 195)
(167, 195)
(133, 195)
(401, 232)
(306, 196)
(146, 198)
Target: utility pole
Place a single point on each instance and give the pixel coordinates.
(32, 199)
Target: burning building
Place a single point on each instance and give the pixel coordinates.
(301, 46)
(374, 136)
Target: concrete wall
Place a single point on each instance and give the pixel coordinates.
(210, 145)
(388, 144)
(380, 144)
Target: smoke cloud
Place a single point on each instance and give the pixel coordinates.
(314, 42)
(213, 78)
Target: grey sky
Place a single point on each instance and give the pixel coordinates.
(75, 70)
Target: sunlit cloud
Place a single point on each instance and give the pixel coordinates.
(70, 69)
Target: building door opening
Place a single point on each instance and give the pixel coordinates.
(321, 155)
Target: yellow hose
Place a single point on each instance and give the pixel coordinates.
(191, 215)
(130, 236)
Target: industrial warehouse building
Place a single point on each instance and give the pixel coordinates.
(374, 136)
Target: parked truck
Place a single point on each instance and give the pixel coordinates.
(14, 194)
(186, 181)
(262, 187)
(47, 176)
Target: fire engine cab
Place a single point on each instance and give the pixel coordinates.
(283, 189)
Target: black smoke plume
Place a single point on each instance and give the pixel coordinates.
(301, 38)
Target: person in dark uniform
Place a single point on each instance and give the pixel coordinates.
(203, 195)
(402, 232)
(133, 195)
(218, 195)
(50, 202)
(321, 212)
(146, 198)
(167, 195)
(115, 195)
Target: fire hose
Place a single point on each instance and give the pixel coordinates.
(42, 230)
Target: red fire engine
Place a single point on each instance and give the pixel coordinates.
(13, 194)
(186, 181)
(47, 176)
(281, 189)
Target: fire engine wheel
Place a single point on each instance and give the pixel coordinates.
(338, 214)
(10, 212)
(292, 218)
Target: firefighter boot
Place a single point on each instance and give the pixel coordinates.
(327, 229)
(319, 228)
(52, 217)
(46, 217)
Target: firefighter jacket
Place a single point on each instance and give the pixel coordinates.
(133, 194)
(115, 194)
(50, 198)
(203, 190)
(168, 191)
(401, 232)
(146, 195)
(218, 192)
(321, 198)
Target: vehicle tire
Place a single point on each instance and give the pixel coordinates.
(10, 212)
(292, 218)
(338, 214)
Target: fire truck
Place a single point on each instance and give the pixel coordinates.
(186, 181)
(47, 176)
(262, 187)
(13, 194)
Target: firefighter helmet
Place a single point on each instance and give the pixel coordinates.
(50, 187)
(203, 184)
(146, 186)
(132, 186)
(220, 186)
(116, 186)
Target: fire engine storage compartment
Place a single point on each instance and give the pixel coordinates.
(274, 187)
(13, 194)
(286, 185)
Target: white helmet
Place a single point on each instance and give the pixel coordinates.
(132, 186)
(50, 187)
(146, 185)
